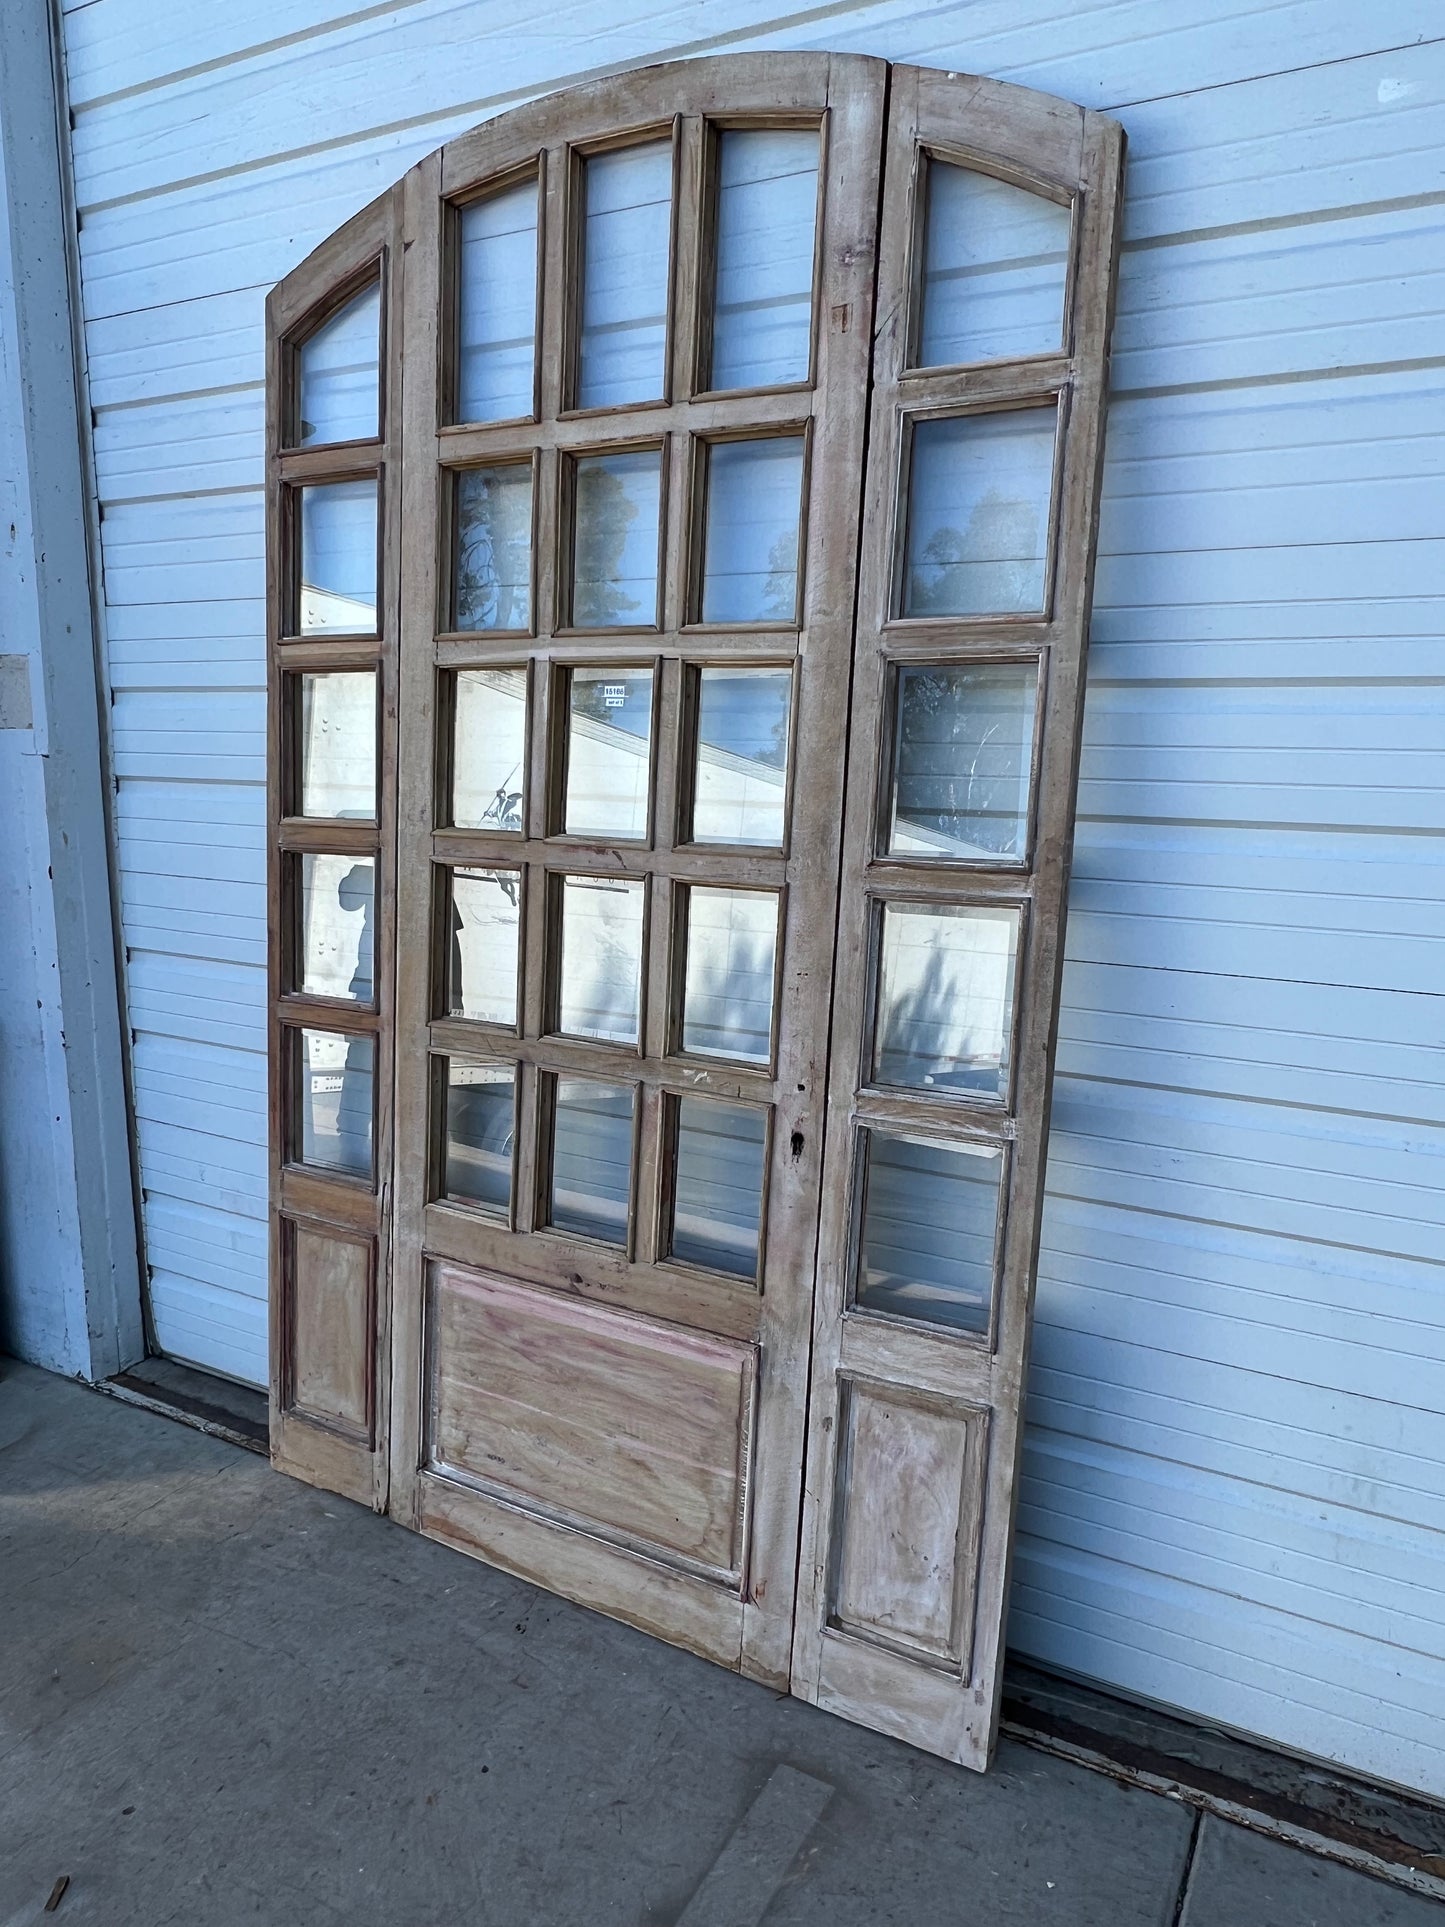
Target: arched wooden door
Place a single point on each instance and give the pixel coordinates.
(638, 604)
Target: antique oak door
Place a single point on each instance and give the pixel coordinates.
(682, 495)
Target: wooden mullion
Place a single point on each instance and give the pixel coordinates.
(461, 1037)
(683, 1295)
(297, 1009)
(326, 1198)
(763, 411)
(987, 385)
(887, 878)
(763, 644)
(328, 836)
(295, 655)
(329, 462)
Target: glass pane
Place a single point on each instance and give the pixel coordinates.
(962, 745)
(493, 585)
(609, 750)
(481, 1134)
(338, 558)
(600, 983)
(740, 776)
(945, 997)
(339, 370)
(489, 749)
(338, 744)
(497, 311)
(930, 1216)
(591, 1176)
(732, 940)
(338, 896)
(718, 1185)
(767, 207)
(614, 549)
(486, 923)
(627, 234)
(335, 1086)
(750, 557)
(995, 262)
(978, 514)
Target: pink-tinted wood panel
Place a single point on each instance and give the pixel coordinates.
(637, 1429)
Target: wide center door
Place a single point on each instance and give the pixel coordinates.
(634, 394)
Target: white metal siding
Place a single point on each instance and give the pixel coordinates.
(1235, 1496)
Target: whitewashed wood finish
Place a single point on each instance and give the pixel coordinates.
(1239, 1294)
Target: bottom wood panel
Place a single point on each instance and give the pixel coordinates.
(685, 1611)
(330, 1302)
(636, 1431)
(907, 1512)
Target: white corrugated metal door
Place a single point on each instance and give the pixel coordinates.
(1236, 1480)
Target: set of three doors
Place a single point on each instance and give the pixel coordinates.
(682, 497)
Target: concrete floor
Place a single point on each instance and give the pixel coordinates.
(226, 1698)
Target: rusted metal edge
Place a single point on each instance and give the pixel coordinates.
(1393, 1836)
(186, 1410)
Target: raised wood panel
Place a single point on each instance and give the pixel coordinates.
(331, 1336)
(908, 1495)
(638, 1430)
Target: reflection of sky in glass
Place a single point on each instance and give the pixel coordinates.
(766, 211)
(626, 239)
(338, 558)
(339, 386)
(995, 261)
(497, 309)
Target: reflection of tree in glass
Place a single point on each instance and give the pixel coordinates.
(958, 771)
(780, 591)
(605, 513)
(1001, 543)
(920, 1034)
(494, 517)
